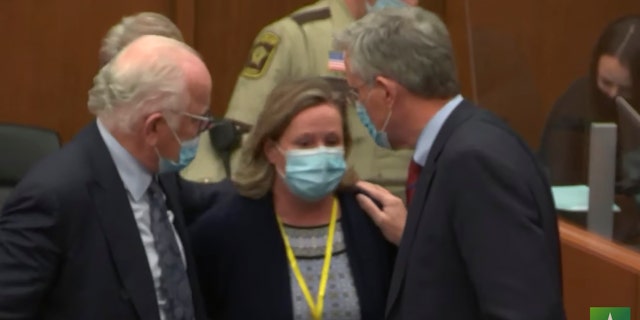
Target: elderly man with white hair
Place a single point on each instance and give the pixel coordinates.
(196, 197)
(95, 231)
(480, 239)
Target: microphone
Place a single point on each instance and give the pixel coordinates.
(628, 186)
(626, 108)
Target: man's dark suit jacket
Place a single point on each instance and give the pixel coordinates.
(243, 267)
(481, 239)
(69, 244)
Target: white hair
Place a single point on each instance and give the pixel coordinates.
(132, 86)
(131, 28)
(409, 45)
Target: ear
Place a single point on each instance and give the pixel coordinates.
(271, 151)
(151, 125)
(390, 88)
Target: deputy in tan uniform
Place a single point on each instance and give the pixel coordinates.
(295, 46)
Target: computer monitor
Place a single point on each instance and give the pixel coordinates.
(602, 172)
(629, 141)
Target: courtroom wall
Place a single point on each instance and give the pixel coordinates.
(517, 57)
(49, 54)
(514, 57)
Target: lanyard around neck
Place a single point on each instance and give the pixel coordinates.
(317, 306)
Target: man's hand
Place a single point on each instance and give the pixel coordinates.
(393, 215)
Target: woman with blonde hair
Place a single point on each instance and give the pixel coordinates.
(291, 242)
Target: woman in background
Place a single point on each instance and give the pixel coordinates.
(292, 242)
(614, 71)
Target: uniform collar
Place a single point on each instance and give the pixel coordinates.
(340, 15)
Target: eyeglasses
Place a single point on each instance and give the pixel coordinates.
(206, 120)
(352, 96)
(354, 93)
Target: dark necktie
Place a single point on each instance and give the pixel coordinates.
(412, 179)
(174, 282)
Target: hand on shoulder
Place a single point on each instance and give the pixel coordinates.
(390, 216)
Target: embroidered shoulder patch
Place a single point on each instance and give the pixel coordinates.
(261, 55)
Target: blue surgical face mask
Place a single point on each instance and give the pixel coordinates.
(188, 150)
(381, 4)
(379, 136)
(312, 174)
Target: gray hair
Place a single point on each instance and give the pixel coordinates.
(131, 28)
(131, 87)
(409, 45)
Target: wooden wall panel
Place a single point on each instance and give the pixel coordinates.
(524, 53)
(597, 273)
(519, 56)
(436, 6)
(50, 55)
(184, 16)
(224, 33)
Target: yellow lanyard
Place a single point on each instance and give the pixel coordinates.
(315, 307)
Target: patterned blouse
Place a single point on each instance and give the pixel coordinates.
(308, 245)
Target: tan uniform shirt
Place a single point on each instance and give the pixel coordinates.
(296, 46)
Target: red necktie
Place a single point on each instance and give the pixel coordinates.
(412, 178)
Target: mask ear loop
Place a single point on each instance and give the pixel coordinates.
(386, 121)
(284, 154)
(173, 162)
(175, 135)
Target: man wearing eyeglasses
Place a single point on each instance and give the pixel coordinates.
(195, 197)
(96, 230)
(300, 45)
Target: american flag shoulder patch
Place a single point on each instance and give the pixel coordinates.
(336, 61)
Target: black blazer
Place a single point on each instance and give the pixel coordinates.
(244, 271)
(69, 244)
(481, 239)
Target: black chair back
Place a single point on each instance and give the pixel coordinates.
(21, 146)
